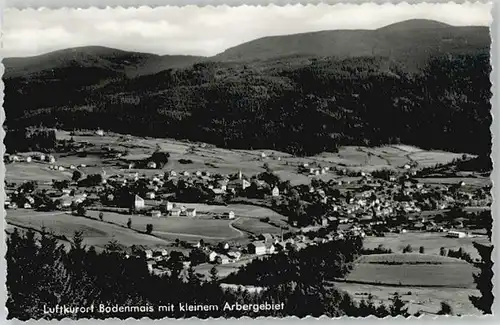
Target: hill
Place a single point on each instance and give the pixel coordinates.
(411, 42)
(95, 57)
(429, 88)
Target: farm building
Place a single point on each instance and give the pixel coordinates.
(151, 165)
(175, 212)
(99, 132)
(258, 248)
(41, 157)
(148, 253)
(155, 213)
(166, 205)
(138, 202)
(212, 256)
(235, 255)
(172, 173)
(275, 192)
(228, 215)
(28, 159)
(51, 159)
(150, 195)
(456, 234)
(191, 212)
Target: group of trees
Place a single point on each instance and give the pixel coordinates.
(301, 109)
(29, 139)
(41, 272)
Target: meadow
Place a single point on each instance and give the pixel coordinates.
(452, 273)
(171, 228)
(95, 233)
(432, 242)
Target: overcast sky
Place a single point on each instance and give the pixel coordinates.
(207, 30)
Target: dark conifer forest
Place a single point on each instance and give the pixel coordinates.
(434, 94)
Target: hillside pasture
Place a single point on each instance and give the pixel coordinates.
(432, 242)
(171, 228)
(95, 233)
(454, 273)
(408, 258)
(431, 158)
(469, 181)
(34, 171)
(255, 226)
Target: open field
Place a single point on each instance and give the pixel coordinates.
(95, 232)
(469, 181)
(175, 227)
(219, 160)
(453, 273)
(255, 226)
(426, 300)
(432, 242)
(21, 172)
(408, 258)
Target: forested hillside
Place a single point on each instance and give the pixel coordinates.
(299, 103)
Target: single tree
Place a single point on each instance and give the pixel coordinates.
(101, 216)
(149, 228)
(214, 275)
(408, 249)
(81, 211)
(421, 250)
(445, 309)
(398, 306)
(442, 251)
(76, 176)
(129, 223)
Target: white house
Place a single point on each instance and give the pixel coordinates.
(191, 212)
(167, 205)
(229, 215)
(99, 132)
(212, 256)
(456, 234)
(150, 195)
(138, 202)
(155, 213)
(175, 212)
(148, 253)
(258, 248)
(245, 184)
(276, 191)
(51, 159)
(28, 159)
(152, 165)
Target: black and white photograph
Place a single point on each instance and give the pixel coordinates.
(258, 161)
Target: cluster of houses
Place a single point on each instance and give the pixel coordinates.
(8, 158)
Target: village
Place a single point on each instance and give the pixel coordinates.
(146, 194)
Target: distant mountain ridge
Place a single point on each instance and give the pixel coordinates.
(410, 42)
